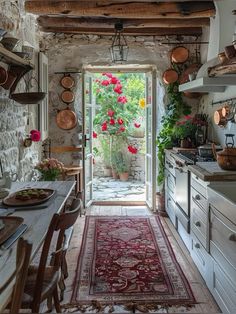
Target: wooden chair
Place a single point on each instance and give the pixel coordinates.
(42, 280)
(75, 205)
(69, 170)
(22, 263)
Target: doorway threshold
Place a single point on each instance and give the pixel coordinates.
(121, 203)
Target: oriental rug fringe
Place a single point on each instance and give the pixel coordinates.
(128, 261)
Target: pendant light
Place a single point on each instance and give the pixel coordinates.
(119, 48)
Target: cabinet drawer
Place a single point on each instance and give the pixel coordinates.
(170, 208)
(224, 290)
(202, 260)
(169, 164)
(199, 199)
(199, 185)
(199, 224)
(170, 184)
(223, 241)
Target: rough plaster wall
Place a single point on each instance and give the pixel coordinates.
(13, 116)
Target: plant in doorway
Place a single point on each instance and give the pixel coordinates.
(121, 166)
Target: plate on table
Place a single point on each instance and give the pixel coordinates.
(11, 224)
(28, 197)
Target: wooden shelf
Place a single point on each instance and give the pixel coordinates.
(9, 57)
(209, 84)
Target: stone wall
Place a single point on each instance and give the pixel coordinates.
(17, 120)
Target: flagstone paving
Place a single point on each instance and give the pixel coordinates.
(113, 189)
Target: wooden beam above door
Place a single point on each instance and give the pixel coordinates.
(65, 22)
(144, 9)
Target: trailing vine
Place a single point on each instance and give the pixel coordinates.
(175, 109)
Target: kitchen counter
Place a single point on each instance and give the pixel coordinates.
(210, 171)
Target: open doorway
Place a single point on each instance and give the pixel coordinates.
(119, 136)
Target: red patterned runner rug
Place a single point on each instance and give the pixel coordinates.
(128, 259)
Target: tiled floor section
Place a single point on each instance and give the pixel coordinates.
(203, 296)
(116, 190)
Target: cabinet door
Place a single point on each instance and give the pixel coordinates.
(43, 87)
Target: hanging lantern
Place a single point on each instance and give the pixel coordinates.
(119, 48)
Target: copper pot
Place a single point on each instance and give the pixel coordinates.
(179, 54)
(170, 76)
(226, 158)
(66, 119)
(67, 81)
(67, 96)
(219, 119)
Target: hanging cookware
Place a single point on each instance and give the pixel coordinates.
(66, 119)
(67, 96)
(184, 78)
(170, 76)
(219, 119)
(179, 54)
(226, 158)
(67, 81)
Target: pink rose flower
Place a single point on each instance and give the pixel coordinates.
(35, 135)
(112, 121)
(114, 80)
(122, 99)
(105, 83)
(137, 125)
(120, 121)
(95, 135)
(110, 113)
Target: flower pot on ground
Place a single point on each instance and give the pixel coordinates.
(107, 172)
(115, 174)
(124, 176)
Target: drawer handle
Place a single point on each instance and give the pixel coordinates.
(197, 246)
(198, 224)
(197, 197)
(232, 237)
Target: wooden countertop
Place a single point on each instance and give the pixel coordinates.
(210, 171)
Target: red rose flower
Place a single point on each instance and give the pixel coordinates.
(112, 121)
(118, 89)
(132, 149)
(107, 74)
(104, 126)
(137, 125)
(35, 135)
(121, 128)
(95, 135)
(114, 80)
(122, 99)
(120, 121)
(105, 83)
(110, 113)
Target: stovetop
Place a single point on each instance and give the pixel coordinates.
(191, 158)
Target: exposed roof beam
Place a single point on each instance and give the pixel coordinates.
(130, 31)
(119, 10)
(49, 21)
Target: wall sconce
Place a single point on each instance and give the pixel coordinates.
(119, 48)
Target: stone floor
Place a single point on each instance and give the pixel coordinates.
(111, 189)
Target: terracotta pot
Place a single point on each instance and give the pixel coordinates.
(107, 172)
(185, 143)
(160, 199)
(124, 176)
(115, 174)
(179, 54)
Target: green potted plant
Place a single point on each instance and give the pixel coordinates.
(122, 166)
(185, 130)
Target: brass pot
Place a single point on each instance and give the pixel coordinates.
(226, 158)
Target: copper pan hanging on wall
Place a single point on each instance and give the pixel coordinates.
(179, 55)
(67, 81)
(67, 96)
(170, 76)
(66, 119)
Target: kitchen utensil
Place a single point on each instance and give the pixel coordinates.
(3, 75)
(67, 96)
(67, 81)
(227, 157)
(170, 76)
(28, 98)
(225, 110)
(10, 42)
(179, 54)
(206, 151)
(222, 57)
(66, 119)
(219, 119)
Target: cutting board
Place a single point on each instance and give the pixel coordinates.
(213, 168)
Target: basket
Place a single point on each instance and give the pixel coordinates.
(28, 98)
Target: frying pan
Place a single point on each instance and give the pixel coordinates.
(179, 55)
(66, 119)
(67, 96)
(67, 81)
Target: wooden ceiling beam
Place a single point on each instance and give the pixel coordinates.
(49, 21)
(194, 31)
(188, 9)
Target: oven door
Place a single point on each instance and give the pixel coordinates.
(182, 188)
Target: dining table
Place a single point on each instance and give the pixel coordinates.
(37, 219)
